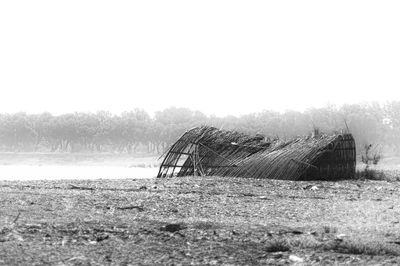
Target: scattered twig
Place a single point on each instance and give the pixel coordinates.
(139, 208)
(16, 218)
(249, 194)
(80, 188)
(142, 188)
(298, 197)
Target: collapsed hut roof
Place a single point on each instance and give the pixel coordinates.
(210, 151)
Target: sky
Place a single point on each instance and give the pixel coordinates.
(219, 57)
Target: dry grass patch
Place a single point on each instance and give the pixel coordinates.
(277, 245)
(362, 248)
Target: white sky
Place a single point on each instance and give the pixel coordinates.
(222, 57)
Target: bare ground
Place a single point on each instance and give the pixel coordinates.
(199, 221)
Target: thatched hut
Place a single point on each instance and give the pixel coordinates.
(210, 151)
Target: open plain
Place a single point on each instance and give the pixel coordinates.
(199, 221)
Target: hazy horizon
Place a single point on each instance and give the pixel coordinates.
(152, 113)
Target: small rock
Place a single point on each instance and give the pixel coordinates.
(173, 227)
(340, 236)
(277, 255)
(310, 187)
(100, 238)
(264, 198)
(295, 258)
(296, 232)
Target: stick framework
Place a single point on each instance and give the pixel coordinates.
(209, 151)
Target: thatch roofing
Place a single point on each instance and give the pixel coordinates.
(210, 151)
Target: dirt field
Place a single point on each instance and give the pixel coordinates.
(199, 221)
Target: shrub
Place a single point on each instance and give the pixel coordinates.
(277, 245)
(370, 156)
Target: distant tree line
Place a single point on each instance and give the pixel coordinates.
(136, 130)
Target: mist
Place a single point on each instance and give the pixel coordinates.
(158, 70)
(222, 58)
(137, 132)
